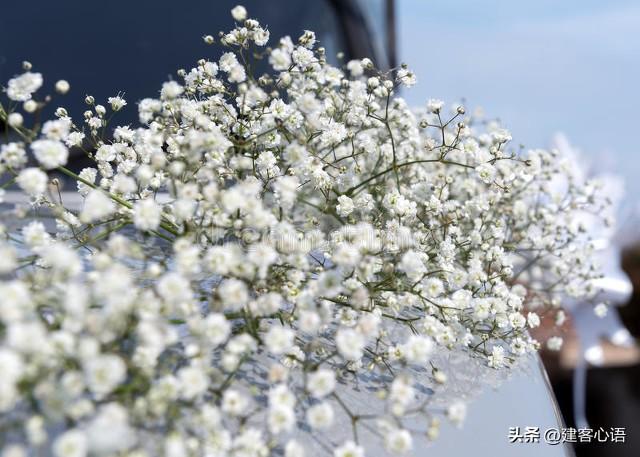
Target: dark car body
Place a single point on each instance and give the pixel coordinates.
(132, 47)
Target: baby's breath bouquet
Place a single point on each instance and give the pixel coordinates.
(258, 246)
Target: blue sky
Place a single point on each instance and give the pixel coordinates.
(542, 66)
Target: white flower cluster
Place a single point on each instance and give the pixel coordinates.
(258, 242)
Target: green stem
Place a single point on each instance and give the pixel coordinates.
(115, 198)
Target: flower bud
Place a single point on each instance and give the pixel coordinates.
(62, 87)
(176, 168)
(15, 120)
(30, 106)
(373, 82)
(439, 377)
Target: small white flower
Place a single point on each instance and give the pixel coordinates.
(33, 181)
(320, 416)
(517, 320)
(350, 343)
(281, 419)
(30, 106)
(309, 321)
(13, 155)
(433, 287)
(486, 172)
(147, 214)
(333, 134)
(171, 90)
(109, 432)
(600, 310)
(321, 383)
(302, 57)
(97, 206)
(11, 363)
(262, 256)
(175, 446)
(280, 59)
(279, 340)
(349, 449)
(440, 376)
(407, 78)
(35, 234)
(193, 382)
(554, 343)
(281, 395)
(15, 119)
(104, 372)
(345, 206)
(36, 433)
(285, 188)
(456, 412)
(234, 403)
(501, 135)
(294, 449)
(434, 105)
(57, 129)
(401, 395)
(398, 441)
(89, 175)
(355, 68)
(533, 320)
(497, 359)
(233, 294)
(217, 329)
(174, 288)
(22, 87)
(72, 443)
(417, 349)
(117, 103)
(8, 258)
(62, 86)
(50, 153)
(74, 139)
(239, 13)
(237, 74)
(308, 39)
(412, 264)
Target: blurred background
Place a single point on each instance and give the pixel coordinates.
(542, 66)
(562, 74)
